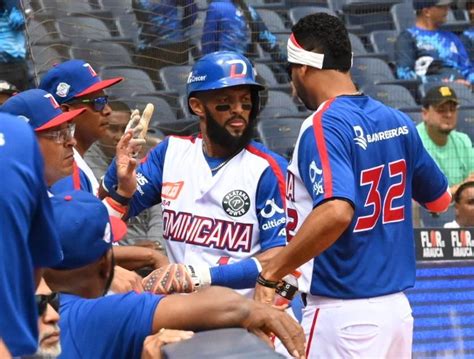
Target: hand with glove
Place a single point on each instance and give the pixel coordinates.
(173, 278)
(127, 148)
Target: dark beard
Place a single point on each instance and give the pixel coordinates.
(220, 136)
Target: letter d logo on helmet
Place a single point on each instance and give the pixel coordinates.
(220, 70)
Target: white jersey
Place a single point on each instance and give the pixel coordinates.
(212, 217)
(84, 167)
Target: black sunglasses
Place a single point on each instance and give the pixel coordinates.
(42, 301)
(98, 103)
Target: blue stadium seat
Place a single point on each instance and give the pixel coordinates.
(279, 104)
(403, 16)
(299, 12)
(466, 121)
(135, 81)
(392, 95)
(279, 134)
(272, 20)
(102, 53)
(80, 28)
(174, 78)
(383, 41)
(358, 47)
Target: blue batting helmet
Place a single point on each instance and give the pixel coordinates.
(223, 69)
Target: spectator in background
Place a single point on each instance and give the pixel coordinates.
(164, 28)
(235, 26)
(427, 53)
(13, 65)
(452, 150)
(146, 228)
(467, 37)
(463, 206)
(6, 91)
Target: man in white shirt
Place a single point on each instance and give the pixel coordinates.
(463, 206)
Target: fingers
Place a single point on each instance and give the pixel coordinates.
(172, 336)
(134, 120)
(259, 333)
(290, 333)
(125, 281)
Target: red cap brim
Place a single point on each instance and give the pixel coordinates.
(58, 120)
(100, 86)
(119, 228)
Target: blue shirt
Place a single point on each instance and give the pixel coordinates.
(112, 327)
(226, 28)
(432, 55)
(28, 238)
(366, 153)
(164, 21)
(12, 39)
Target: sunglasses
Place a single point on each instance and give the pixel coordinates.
(60, 136)
(42, 301)
(98, 103)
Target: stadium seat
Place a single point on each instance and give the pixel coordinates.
(269, 77)
(272, 20)
(116, 6)
(430, 220)
(415, 115)
(163, 112)
(174, 78)
(278, 104)
(358, 47)
(383, 41)
(464, 95)
(79, 28)
(183, 105)
(279, 134)
(45, 57)
(466, 121)
(403, 16)
(99, 53)
(392, 95)
(42, 32)
(59, 7)
(135, 81)
(370, 14)
(298, 12)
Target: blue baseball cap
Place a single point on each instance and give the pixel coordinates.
(421, 4)
(39, 109)
(86, 232)
(73, 79)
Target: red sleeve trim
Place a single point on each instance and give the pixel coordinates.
(440, 204)
(323, 153)
(275, 168)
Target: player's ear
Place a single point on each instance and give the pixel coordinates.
(197, 106)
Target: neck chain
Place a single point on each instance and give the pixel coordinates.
(219, 166)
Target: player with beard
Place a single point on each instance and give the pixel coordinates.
(222, 194)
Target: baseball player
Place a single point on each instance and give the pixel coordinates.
(222, 194)
(28, 238)
(355, 169)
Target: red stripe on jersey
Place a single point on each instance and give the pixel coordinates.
(323, 153)
(76, 179)
(440, 204)
(276, 169)
(311, 333)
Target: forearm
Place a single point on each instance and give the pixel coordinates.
(133, 257)
(320, 230)
(225, 309)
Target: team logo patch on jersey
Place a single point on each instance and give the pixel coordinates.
(62, 89)
(236, 203)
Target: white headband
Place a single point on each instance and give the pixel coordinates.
(298, 55)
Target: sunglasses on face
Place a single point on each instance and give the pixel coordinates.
(42, 301)
(60, 136)
(98, 103)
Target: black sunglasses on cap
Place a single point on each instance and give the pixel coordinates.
(42, 301)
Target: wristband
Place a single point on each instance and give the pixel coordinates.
(267, 283)
(118, 198)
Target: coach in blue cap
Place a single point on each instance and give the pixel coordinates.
(115, 326)
(54, 129)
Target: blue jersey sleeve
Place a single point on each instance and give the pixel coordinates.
(117, 325)
(210, 40)
(429, 183)
(149, 180)
(324, 161)
(405, 56)
(271, 207)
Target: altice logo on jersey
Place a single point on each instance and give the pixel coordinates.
(363, 140)
(269, 211)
